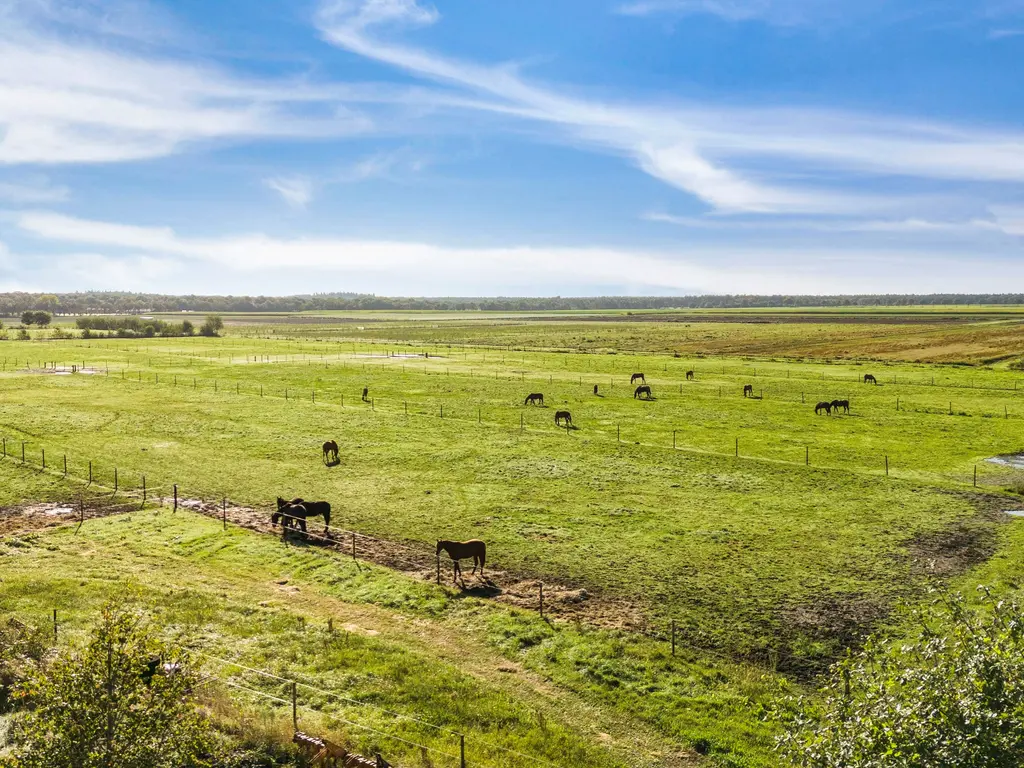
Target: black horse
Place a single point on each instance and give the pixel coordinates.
(534, 398)
(297, 510)
(366, 393)
(644, 390)
(637, 377)
(748, 390)
(825, 406)
(595, 389)
(563, 416)
(844, 404)
(689, 375)
(870, 378)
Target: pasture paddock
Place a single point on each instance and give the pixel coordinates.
(763, 532)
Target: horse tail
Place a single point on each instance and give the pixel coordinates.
(483, 556)
(327, 515)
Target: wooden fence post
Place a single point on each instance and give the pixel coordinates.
(22, 451)
(295, 707)
(673, 637)
(54, 625)
(807, 455)
(737, 447)
(462, 751)
(90, 473)
(143, 490)
(887, 465)
(65, 465)
(175, 497)
(115, 479)
(975, 475)
(542, 599)
(353, 545)
(673, 439)
(43, 451)
(224, 512)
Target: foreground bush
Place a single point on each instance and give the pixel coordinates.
(953, 695)
(113, 705)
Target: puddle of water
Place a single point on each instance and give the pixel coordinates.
(1015, 512)
(1015, 460)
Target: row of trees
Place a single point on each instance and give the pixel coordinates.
(101, 302)
(133, 326)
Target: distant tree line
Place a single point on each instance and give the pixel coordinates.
(110, 302)
(132, 326)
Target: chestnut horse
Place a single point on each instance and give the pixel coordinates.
(463, 550)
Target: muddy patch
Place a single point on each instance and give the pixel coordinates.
(954, 549)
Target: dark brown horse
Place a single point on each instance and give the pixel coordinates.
(296, 511)
(844, 404)
(870, 378)
(824, 406)
(748, 390)
(534, 398)
(331, 452)
(463, 550)
(595, 389)
(637, 377)
(689, 375)
(366, 392)
(644, 390)
(563, 416)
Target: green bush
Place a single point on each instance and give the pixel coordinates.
(127, 700)
(952, 695)
(212, 325)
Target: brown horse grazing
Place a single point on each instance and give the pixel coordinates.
(463, 550)
(689, 375)
(637, 377)
(748, 390)
(644, 390)
(296, 511)
(844, 404)
(331, 452)
(563, 416)
(868, 377)
(534, 398)
(826, 407)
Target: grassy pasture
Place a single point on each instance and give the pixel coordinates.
(779, 556)
(751, 555)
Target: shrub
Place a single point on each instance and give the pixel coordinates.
(212, 325)
(39, 318)
(23, 335)
(187, 328)
(112, 704)
(952, 695)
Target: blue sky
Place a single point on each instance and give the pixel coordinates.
(467, 147)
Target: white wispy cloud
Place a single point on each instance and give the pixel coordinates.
(64, 99)
(1006, 224)
(32, 190)
(262, 262)
(704, 150)
(297, 191)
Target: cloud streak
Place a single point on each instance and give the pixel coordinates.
(412, 268)
(709, 152)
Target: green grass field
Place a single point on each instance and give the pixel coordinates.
(769, 562)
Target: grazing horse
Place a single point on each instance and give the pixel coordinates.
(868, 377)
(748, 390)
(366, 392)
(534, 398)
(595, 389)
(637, 377)
(463, 550)
(644, 390)
(563, 416)
(825, 406)
(330, 452)
(297, 510)
(844, 404)
(689, 375)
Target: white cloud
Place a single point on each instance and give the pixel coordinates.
(297, 191)
(911, 226)
(735, 10)
(32, 191)
(707, 150)
(267, 264)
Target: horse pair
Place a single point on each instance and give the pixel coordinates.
(834, 405)
(295, 512)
